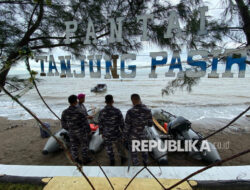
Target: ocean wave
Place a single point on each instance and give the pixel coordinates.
(216, 95)
(161, 102)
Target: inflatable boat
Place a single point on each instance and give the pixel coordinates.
(159, 156)
(180, 128)
(52, 145)
(99, 88)
(95, 144)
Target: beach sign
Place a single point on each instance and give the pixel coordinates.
(198, 67)
(157, 59)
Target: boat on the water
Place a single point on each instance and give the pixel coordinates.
(99, 88)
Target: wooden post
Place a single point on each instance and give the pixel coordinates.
(114, 67)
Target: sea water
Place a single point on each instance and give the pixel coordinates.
(210, 98)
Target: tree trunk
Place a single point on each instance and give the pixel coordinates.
(6, 68)
(244, 13)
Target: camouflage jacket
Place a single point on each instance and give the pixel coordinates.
(136, 119)
(111, 122)
(83, 109)
(74, 120)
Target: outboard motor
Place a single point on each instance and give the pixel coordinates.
(178, 126)
(180, 129)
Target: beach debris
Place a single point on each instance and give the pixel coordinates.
(12, 127)
(44, 133)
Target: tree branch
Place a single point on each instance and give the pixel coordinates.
(68, 155)
(30, 31)
(62, 45)
(24, 41)
(31, 17)
(48, 37)
(40, 95)
(12, 85)
(51, 46)
(245, 15)
(62, 38)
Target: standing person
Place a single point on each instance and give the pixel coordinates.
(78, 127)
(81, 100)
(111, 124)
(136, 119)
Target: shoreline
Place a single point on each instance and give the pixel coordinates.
(22, 144)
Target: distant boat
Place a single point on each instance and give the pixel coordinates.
(99, 88)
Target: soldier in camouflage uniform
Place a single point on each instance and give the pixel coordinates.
(136, 119)
(76, 123)
(81, 100)
(111, 124)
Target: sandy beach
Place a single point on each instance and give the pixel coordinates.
(21, 144)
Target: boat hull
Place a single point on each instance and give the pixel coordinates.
(52, 145)
(159, 156)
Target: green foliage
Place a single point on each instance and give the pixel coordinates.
(50, 30)
(49, 2)
(186, 83)
(25, 52)
(20, 86)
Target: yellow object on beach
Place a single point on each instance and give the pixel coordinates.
(80, 183)
(158, 125)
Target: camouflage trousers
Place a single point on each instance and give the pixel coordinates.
(134, 154)
(79, 141)
(108, 144)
